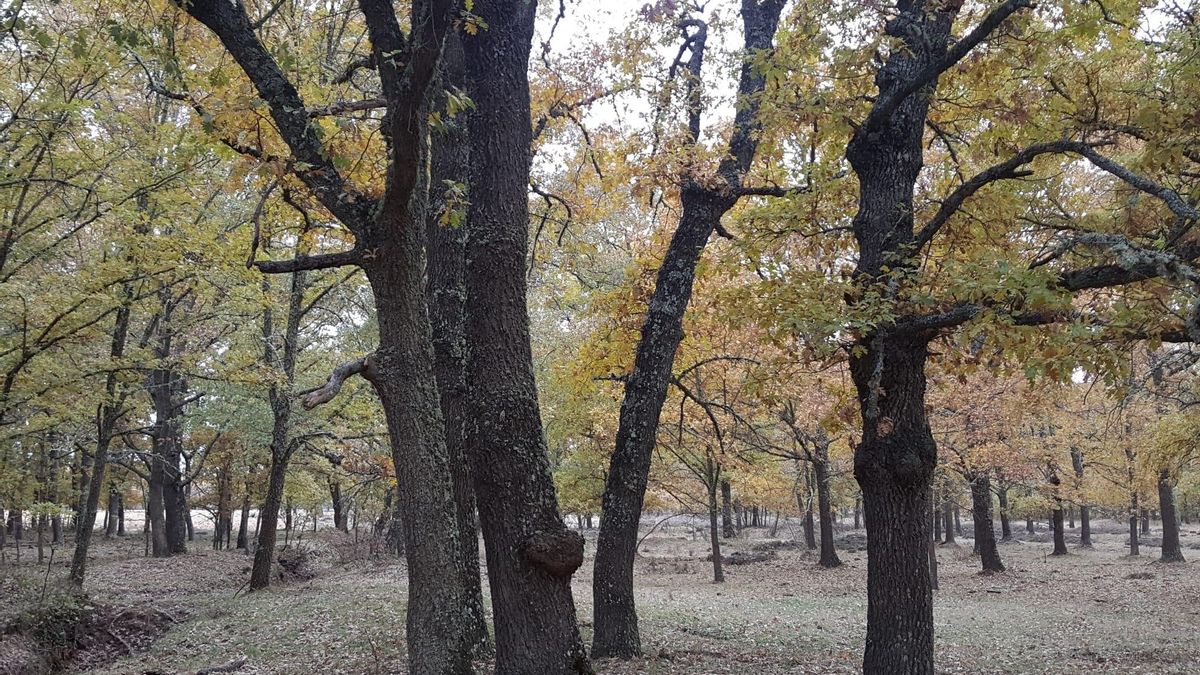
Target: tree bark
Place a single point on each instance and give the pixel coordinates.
(615, 617)
(1134, 548)
(531, 553)
(829, 558)
(727, 530)
(981, 513)
(1005, 526)
(446, 293)
(244, 520)
(714, 533)
(106, 421)
(1171, 551)
(894, 467)
(111, 519)
(948, 516)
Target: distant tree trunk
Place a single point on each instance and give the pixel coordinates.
(113, 508)
(340, 510)
(1085, 526)
(120, 516)
(981, 513)
(858, 512)
(244, 521)
(948, 516)
(1133, 523)
(106, 422)
(957, 518)
(1071, 517)
(1145, 515)
(727, 530)
(714, 533)
(1171, 551)
(1005, 527)
(739, 515)
(1060, 542)
(937, 515)
(829, 558)
(1029, 525)
(531, 553)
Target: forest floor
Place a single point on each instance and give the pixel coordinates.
(1095, 610)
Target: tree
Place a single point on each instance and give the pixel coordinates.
(531, 554)
(389, 235)
(704, 200)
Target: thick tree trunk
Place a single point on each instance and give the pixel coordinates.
(894, 467)
(531, 553)
(120, 515)
(981, 513)
(446, 293)
(727, 530)
(829, 558)
(1171, 551)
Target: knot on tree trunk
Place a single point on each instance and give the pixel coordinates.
(559, 552)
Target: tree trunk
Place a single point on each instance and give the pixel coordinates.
(727, 530)
(829, 558)
(714, 535)
(981, 513)
(244, 521)
(894, 466)
(268, 513)
(1171, 551)
(113, 505)
(155, 511)
(937, 516)
(446, 295)
(948, 517)
(1005, 527)
(702, 207)
(531, 553)
(1145, 517)
(1056, 518)
(1134, 549)
(340, 511)
(106, 421)
(858, 512)
(120, 515)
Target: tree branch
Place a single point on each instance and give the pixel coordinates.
(883, 109)
(330, 389)
(311, 262)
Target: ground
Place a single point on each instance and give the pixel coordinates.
(1097, 610)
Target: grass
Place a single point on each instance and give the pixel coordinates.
(1097, 611)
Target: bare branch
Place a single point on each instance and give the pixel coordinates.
(330, 389)
(311, 262)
